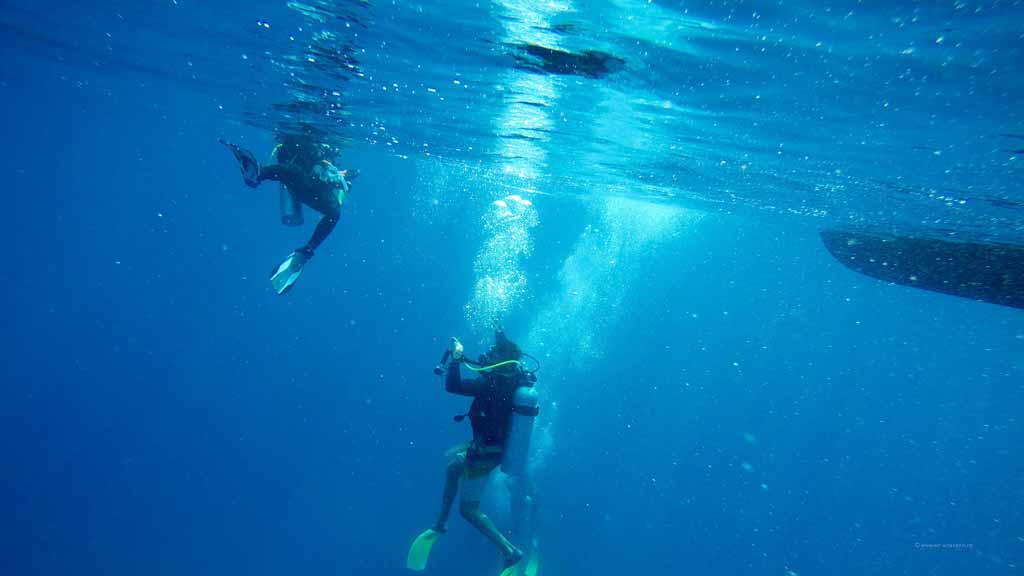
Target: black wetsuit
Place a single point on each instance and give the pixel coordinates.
(317, 194)
(491, 411)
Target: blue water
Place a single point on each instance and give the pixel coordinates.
(719, 396)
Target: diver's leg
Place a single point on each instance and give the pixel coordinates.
(520, 507)
(279, 173)
(323, 230)
(451, 488)
(469, 507)
(470, 510)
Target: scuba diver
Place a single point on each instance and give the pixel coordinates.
(501, 415)
(307, 177)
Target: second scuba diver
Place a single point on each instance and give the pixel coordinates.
(307, 177)
(502, 413)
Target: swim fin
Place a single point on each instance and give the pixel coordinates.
(287, 273)
(533, 564)
(419, 552)
(247, 162)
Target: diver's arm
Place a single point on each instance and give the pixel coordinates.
(454, 384)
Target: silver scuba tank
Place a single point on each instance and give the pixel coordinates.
(291, 209)
(525, 402)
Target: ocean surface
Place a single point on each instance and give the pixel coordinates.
(635, 189)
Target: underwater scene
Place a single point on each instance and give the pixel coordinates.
(513, 287)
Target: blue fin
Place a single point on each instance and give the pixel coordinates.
(287, 273)
(247, 162)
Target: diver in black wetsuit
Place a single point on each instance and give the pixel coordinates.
(490, 415)
(310, 179)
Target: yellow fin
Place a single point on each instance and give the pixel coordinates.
(533, 565)
(419, 552)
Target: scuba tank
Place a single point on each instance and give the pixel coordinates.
(525, 408)
(291, 209)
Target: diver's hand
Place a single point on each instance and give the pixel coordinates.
(456, 349)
